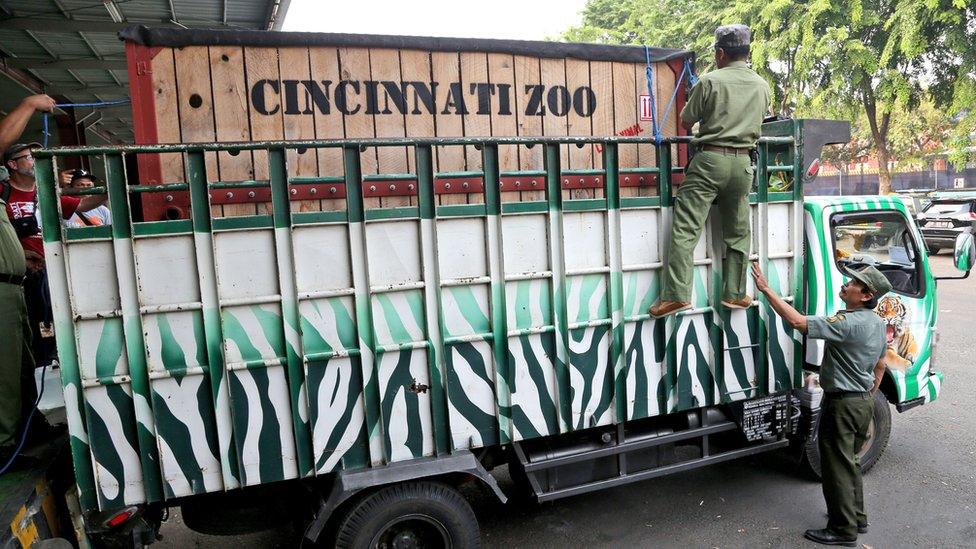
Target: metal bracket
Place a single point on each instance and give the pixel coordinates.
(348, 483)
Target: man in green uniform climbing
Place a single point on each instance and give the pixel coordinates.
(728, 104)
(850, 374)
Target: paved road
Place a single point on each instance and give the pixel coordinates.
(922, 493)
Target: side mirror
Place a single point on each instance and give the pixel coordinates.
(965, 256)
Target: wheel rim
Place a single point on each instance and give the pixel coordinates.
(412, 532)
(868, 438)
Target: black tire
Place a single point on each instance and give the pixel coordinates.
(430, 514)
(879, 431)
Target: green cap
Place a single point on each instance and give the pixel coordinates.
(873, 279)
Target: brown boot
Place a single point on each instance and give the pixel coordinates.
(665, 308)
(742, 303)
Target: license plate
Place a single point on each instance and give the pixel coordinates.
(940, 224)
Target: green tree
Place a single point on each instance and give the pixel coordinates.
(875, 61)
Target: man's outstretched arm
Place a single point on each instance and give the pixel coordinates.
(782, 308)
(12, 125)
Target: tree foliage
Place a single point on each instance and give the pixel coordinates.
(873, 62)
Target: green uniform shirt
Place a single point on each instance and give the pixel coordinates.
(855, 343)
(11, 252)
(729, 104)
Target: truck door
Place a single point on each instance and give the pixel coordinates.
(888, 240)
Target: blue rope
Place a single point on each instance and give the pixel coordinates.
(692, 77)
(650, 91)
(686, 71)
(115, 103)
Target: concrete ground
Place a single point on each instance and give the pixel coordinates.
(922, 492)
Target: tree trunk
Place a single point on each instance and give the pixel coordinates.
(879, 133)
(884, 174)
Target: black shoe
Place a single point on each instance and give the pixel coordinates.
(827, 537)
(862, 528)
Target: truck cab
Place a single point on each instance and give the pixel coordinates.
(850, 232)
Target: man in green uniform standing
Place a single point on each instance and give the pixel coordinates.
(16, 362)
(728, 105)
(851, 372)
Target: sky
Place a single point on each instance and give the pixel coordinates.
(508, 19)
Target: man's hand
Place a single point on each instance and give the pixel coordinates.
(34, 260)
(762, 285)
(40, 102)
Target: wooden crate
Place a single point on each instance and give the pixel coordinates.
(227, 86)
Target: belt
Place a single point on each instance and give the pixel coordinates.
(724, 150)
(845, 394)
(16, 280)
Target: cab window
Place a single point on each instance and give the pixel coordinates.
(883, 240)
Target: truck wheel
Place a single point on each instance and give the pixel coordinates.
(413, 514)
(879, 430)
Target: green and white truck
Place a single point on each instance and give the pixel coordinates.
(352, 367)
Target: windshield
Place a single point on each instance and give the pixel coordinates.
(948, 208)
(882, 239)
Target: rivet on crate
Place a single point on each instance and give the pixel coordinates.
(372, 188)
(581, 181)
(332, 190)
(597, 180)
(464, 184)
(501, 184)
(410, 187)
(392, 187)
(230, 195)
(534, 183)
(294, 191)
(313, 190)
(250, 194)
(169, 198)
(641, 180)
(518, 183)
(447, 185)
(626, 180)
(566, 181)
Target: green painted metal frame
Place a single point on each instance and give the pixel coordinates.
(201, 224)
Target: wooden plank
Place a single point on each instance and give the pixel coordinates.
(415, 69)
(645, 153)
(504, 123)
(602, 120)
(556, 106)
(625, 112)
(167, 115)
(231, 120)
(529, 124)
(579, 120)
(298, 119)
(446, 69)
(354, 67)
(196, 100)
(477, 122)
(262, 65)
(324, 64)
(578, 78)
(477, 93)
(388, 99)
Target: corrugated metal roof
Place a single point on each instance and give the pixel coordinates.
(79, 36)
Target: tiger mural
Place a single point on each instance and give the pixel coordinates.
(902, 346)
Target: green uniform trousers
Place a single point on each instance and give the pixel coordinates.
(17, 387)
(843, 429)
(711, 175)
